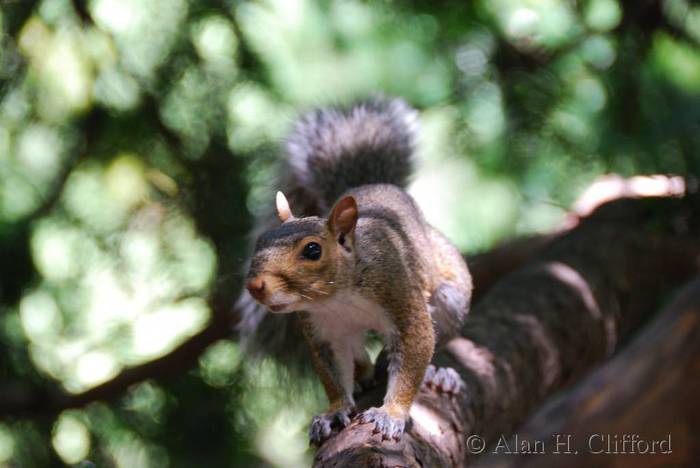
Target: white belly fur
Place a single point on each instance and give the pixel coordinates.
(342, 321)
(348, 313)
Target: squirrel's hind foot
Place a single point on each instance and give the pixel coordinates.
(443, 379)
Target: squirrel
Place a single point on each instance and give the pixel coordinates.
(371, 264)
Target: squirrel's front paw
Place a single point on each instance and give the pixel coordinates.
(386, 425)
(443, 379)
(325, 425)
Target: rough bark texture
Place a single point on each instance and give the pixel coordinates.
(488, 267)
(649, 391)
(539, 329)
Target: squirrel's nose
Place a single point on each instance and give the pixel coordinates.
(256, 286)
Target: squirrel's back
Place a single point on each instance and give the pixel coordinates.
(330, 151)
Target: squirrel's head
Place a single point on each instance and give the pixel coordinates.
(304, 259)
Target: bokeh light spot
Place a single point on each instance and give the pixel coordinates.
(71, 438)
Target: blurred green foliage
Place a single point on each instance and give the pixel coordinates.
(138, 138)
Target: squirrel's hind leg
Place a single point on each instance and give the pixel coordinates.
(448, 306)
(449, 301)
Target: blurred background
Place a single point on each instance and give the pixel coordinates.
(138, 139)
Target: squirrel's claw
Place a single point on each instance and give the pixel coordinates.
(320, 429)
(384, 424)
(443, 379)
(325, 425)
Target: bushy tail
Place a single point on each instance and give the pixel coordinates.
(332, 150)
(329, 151)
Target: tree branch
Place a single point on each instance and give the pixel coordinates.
(649, 390)
(540, 329)
(488, 267)
(19, 400)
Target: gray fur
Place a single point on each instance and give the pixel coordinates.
(291, 232)
(329, 152)
(448, 306)
(335, 149)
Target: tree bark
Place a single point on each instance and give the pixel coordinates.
(488, 267)
(643, 400)
(539, 329)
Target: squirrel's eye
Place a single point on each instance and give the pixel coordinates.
(312, 251)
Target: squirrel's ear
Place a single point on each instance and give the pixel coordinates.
(343, 216)
(283, 210)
